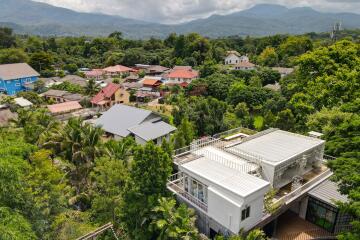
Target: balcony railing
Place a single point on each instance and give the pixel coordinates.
(175, 185)
(304, 188)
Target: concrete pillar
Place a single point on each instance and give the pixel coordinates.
(303, 208)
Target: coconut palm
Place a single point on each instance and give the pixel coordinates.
(171, 222)
(91, 87)
(121, 150)
(80, 144)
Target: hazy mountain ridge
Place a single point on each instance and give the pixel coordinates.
(265, 19)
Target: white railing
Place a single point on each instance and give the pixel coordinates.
(174, 186)
(196, 145)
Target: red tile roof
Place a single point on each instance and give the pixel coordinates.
(94, 73)
(106, 92)
(151, 82)
(118, 69)
(64, 107)
(183, 73)
(184, 84)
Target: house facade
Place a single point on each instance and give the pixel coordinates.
(244, 66)
(233, 58)
(110, 95)
(180, 75)
(15, 77)
(225, 180)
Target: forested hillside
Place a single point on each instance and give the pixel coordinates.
(61, 180)
(30, 17)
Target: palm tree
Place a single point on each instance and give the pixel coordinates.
(121, 150)
(80, 144)
(91, 87)
(173, 223)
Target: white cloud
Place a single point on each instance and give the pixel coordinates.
(173, 11)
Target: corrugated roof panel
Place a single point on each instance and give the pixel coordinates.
(152, 130)
(120, 117)
(233, 180)
(278, 146)
(328, 192)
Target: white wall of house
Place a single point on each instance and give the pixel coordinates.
(226, 208)
(232, 59)
(179, 80)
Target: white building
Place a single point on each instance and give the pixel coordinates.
(233, 58)
(225, 181)
(245, 66)
(180, 75)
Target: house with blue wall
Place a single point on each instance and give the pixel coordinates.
(16, 77)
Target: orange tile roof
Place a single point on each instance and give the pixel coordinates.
(118, 69)
(151, 82)
(64, 107)
(183, 73)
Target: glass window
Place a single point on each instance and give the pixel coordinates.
(321, 214)
(245, 213)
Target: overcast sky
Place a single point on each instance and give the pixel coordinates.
(173, 11)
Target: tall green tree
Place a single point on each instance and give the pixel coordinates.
(147, 183)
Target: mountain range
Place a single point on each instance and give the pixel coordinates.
(28, 17)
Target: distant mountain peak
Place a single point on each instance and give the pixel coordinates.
(30, 17)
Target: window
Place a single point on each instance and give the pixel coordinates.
(245, 213)
(17, 84)
(321, 214)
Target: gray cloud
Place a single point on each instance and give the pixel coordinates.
(174, 11)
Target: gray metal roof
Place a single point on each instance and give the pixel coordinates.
(120, 117)
(152, 130)
(17, 70)
(327, 191)
(55, 93)
(240, 183)
(278, 146)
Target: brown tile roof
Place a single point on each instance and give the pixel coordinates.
(64, 107)
(17, 70)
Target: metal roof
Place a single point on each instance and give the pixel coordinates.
(152, 130)
(22, 102)
(278, 146)
(327, 191)
(235, 181)
(55, 93)
(120, 117)
(226, 159)
(17, 70)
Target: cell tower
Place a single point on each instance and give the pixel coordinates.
(334, 35)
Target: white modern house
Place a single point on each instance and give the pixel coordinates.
(225, 181)
(121, 121)
(233, 58)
